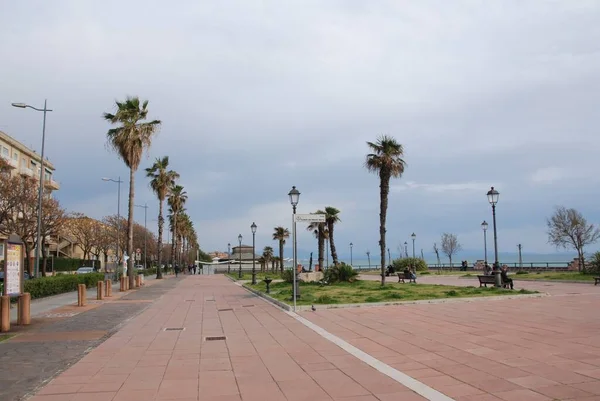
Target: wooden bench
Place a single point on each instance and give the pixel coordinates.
(402, 276)
(491, 279)
(596, 280)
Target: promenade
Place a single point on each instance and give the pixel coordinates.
(206, 338)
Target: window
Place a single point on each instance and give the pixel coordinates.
(47, 176)
(23, 162)
(5, 152)
(15, 156)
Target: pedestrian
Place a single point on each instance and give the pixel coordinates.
(505, 279)
(194, 269)
(176, 270)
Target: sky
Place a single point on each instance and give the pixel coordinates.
(257, 96)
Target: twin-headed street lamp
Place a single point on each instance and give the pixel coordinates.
(240, 252)
(294, 195)
(493, 200)
(41, 186)
(253, 228)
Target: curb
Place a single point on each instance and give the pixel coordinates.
(280, 304)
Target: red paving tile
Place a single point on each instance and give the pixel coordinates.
(517, 350)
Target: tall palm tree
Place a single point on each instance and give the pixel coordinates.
(318, 229)
(281, 234)
(176, 201)
(129, 140)
(161, 181)
(385, 161)
(332, 218)
(267, 255)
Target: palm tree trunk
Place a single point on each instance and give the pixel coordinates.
(281, 255)
(130, 271)
(160, 238)
(384, 189)
(174, 240)
(332, 244)
(321, 241)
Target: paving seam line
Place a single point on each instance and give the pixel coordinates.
(402, 378)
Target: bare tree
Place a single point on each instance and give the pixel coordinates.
(53, 219)
(450, 245)
(437, 254)
(567, 228)
(86, 232)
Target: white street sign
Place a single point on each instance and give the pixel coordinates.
(310, 218)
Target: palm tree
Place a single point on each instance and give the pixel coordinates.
(331, 218)
(385, 161)
(281, 234)
(161, 181)
(318, 229)
(176, 201)
(129, 140)
(267, 255)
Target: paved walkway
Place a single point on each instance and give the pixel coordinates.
(520, 349)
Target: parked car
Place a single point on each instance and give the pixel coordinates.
(84, 270)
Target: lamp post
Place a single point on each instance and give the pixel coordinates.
(351, 245)
(41, 186)
(240, 252)
(389, 256)
(228, 258)
(294, 195)
(520, 258)
(484, 226)
(327, 250)
(413, 236)
(369, 258)
(145, 207)
(253, 228)
(119, 182)
(406, 249)
(493, 199)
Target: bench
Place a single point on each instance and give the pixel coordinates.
(485, 280)
(402, 276)
(596, 279)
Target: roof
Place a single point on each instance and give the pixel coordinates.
(24, 149)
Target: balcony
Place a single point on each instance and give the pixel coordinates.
(51, 184)
(10, 162)
(26, 171)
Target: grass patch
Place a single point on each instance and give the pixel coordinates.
(259, 275)
(570, 276)
(4, 337)
(365, 291)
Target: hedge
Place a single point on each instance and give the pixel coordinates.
(411, 263)
(46, 286)
(68, 264)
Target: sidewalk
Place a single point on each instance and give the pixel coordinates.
(175, 350)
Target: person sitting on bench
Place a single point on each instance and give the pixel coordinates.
(505, 278)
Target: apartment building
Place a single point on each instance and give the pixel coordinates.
(25, 161)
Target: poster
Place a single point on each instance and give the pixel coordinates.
(12, 279)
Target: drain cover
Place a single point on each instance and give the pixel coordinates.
(174, 329)
(215, 338)
(225, 310)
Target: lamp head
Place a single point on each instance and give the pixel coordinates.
(493, 196)
(294, 195)
(240, 238)
(484, 225)
(413, 236)
(351, 245)
(105, 179)
(253, 228)
(19, 105)
(405, 243)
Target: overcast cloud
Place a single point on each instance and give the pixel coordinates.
(258, 96)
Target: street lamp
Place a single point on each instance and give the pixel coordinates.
(145, 207)
(228, 258)
(294, 195)
(253, 228)
(119, 182)
(41, 186)
(406, 248)
(240, 251)
(351, 245)
(369, 257)
(493, 199)
(413, 236)
(484, 226)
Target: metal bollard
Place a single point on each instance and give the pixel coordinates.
(81, 295)
(99, 293)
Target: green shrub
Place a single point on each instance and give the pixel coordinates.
(593, 265)
(148, 272)
(522, 272)
(417, 263)
(68, 264)
(451, 293)
(342, 273)
(288, 276)
(46, 286)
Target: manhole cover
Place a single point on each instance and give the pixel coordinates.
(225, 310)
(215, 338)
(174, 329)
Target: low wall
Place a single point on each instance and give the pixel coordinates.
(310, 277)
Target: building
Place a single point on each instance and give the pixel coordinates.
(246, 253)
(24, 161)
